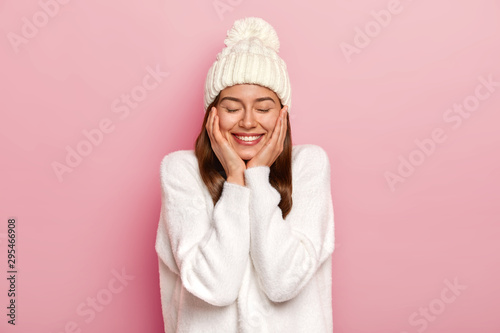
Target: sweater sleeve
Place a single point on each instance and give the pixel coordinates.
(209, 252)
(287, 253)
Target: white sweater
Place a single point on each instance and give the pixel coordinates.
(238, 266)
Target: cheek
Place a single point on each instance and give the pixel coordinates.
(225, 122)
(269, 122)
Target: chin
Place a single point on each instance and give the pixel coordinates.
(246, 157)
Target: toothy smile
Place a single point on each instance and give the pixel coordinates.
(248, 137)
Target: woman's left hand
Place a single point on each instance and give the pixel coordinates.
(274, 145)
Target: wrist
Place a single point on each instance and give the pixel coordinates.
(253, 165)
(240, 180)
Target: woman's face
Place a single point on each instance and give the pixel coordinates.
(247, 117)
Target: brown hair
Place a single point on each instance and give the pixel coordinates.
(214, 176)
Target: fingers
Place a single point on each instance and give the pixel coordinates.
(278, 135)
(212, 122)
(281, 139)
(213, 128)
(217, 133)
(217, 139)
(212, 133)
(275, 134)
(285, 121)
(209, 124)
(283, 129)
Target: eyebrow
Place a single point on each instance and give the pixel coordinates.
(256, 100)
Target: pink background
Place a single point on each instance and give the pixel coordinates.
(399, 248)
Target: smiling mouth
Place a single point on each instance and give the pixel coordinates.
(248, 138)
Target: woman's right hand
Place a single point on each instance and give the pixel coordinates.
(230, 160)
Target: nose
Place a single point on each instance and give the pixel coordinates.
(248, 119)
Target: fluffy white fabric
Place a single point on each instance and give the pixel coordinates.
(239, 266)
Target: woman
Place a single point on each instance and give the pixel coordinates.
(239, 250)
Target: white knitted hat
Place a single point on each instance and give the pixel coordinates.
(250, 56)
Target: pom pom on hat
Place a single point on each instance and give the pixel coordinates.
(250, 56)
(253, 27)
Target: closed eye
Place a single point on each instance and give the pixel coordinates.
(264, 110)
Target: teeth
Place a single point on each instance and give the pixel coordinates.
(248, 138)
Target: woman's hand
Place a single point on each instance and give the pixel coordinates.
(230, 160)
(274, 145)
